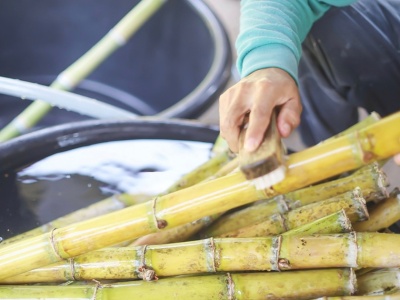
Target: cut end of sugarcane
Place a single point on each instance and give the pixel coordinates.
(268, 180)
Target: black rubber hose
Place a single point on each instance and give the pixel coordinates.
(31, 147)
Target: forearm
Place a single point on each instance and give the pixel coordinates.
(271, 32)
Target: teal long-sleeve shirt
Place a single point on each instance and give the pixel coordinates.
(271, 32)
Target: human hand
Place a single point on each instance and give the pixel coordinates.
(396, 159)
(258, 94)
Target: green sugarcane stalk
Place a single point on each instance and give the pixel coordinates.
(374, 185)
(376, 142)
(174, 259)
(379, 282)
(277, 285)
(371, 180)
(86, 64)
(117, 202)
(111, 204)
(352, 202)
(383, 214)
(203, 172)
(379, 297)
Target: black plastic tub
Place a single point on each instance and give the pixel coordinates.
(31, 197)
(175, 66)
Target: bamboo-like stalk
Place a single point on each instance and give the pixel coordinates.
(371, 180)
(100, 208)
(371, 119)
(278, 285)
(118, 202)
(182, 233)
(198, 257)
(220, 145)
(379, 282)
(175, 234)
(378, 141)
(203, 172)
(383, 214)
(352, 202)
(337, 222)
(80, 69)
(379, 297)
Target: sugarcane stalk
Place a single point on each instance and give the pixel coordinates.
(379, 297)
(373, 184)
(352, 202)
(87, 63)
(376, 142)
(278, 285)
(372, 118)
(383, 214)
(176, 234)
(220, 145)
(111, 204)
(150, 261)
(203, 172)
(118, 202)
(337, 222)
(371, 180)
(379, 282)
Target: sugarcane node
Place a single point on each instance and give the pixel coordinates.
(161, 224)
(230, 286)
(53, 245)
(147, 273)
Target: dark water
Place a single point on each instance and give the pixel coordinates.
(74, 179)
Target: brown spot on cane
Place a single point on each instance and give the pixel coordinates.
(284, 264)
(161, 224)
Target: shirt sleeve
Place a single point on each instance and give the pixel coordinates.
(271, 32)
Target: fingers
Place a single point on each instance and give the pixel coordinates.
(232, 109)
(258, 94)
(396, 159)
(259, 118)
(289, 116)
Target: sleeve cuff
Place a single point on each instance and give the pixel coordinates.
(270, 56)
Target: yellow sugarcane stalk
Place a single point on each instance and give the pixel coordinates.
(372, 118)
(371, 181)
(379, 282)
(277, 285)
(74, 74)
(194, 257)
(100, 208)
(378, 141)
(352, 202)
(383, 214)
(203, 172)
(118, 202)
(379, 297)
(337, 222)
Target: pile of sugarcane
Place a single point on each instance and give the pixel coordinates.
(322, 233)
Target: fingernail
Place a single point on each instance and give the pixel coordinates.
(250, 145)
